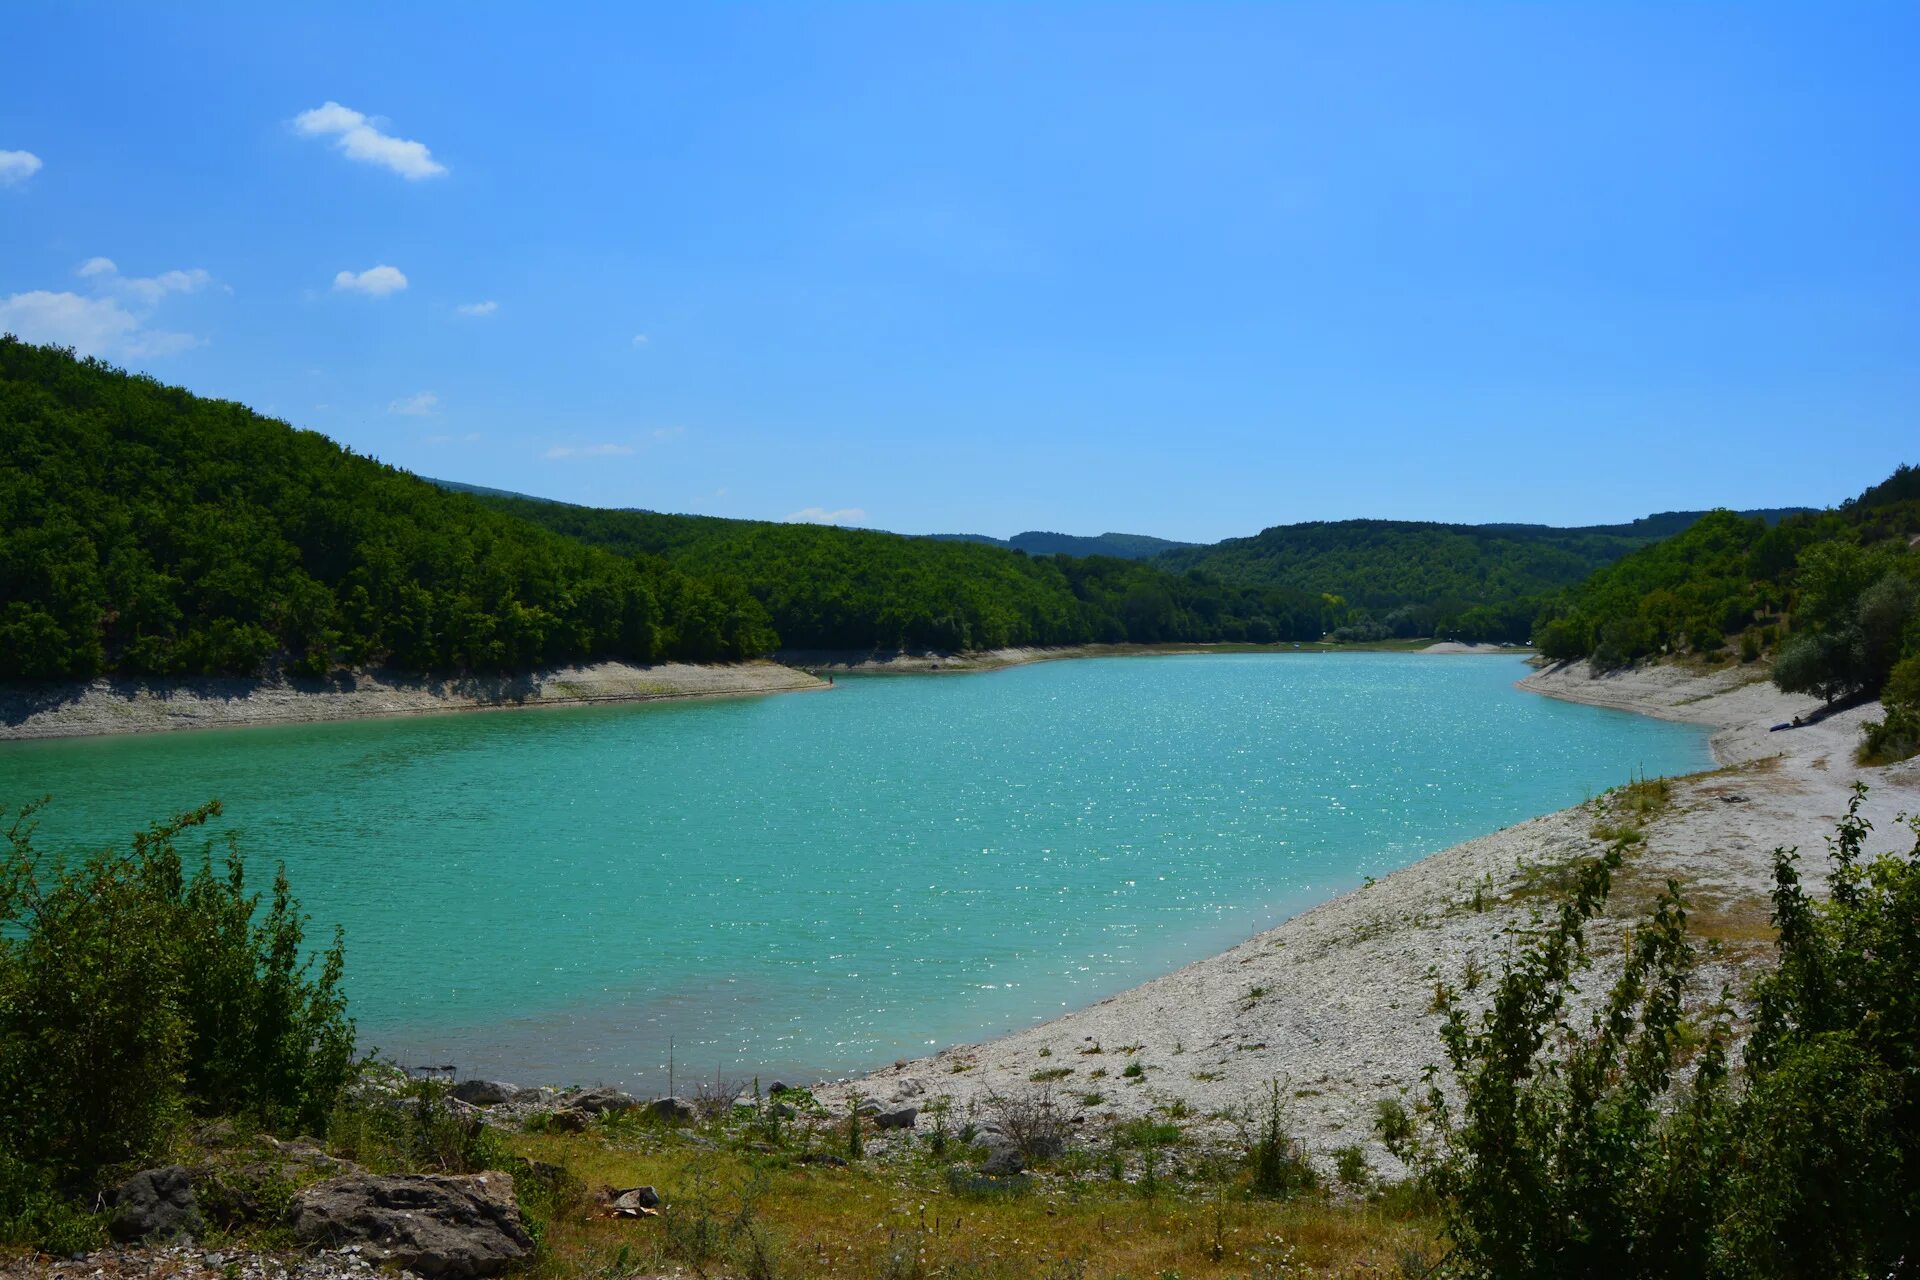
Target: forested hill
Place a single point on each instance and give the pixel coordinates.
(832, 588)
(144, 530)
(1415, 578)
(1734, 576)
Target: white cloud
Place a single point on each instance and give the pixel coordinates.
(92, 326)
(486, 308)
(639, 339)
(664, 434)
(472, 437)
(589, 450)
(358, 139)
(112, 322)
(422, 405)
(17, 166)
(820, 515)
(375, 282)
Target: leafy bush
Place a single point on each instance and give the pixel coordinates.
(132, 993)
(1626, 1148)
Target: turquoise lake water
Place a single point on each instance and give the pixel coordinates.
(826, 881)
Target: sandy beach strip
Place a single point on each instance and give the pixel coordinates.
(1335, 1004)
(134, 706)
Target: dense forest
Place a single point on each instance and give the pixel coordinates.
(831, 588)
(1830, 596)
(147, 531)
(1405, 578)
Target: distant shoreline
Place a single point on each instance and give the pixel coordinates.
(124, 705)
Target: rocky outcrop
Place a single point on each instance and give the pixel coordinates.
(444, 1226)
(156, 1204)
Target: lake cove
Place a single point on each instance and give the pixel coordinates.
(819, 885)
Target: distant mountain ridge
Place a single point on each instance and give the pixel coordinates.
(1035, 542)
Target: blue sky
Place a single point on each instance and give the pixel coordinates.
(1183, 270)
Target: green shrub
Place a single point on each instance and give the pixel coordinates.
(1585, 1151)
(132, 993)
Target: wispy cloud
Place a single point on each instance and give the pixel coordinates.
(375, 282)
(821, 515)
(17, 166)
(358, 137)
(486, 308)
(420, 405)
(472, 437)
(589, 451)
(639, 339)
(146, 289)
(664, 434)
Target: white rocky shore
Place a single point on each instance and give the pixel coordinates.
(1335, 1004)
(134, 706)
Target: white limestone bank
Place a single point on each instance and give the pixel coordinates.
(133, 706)
(1336, 1003)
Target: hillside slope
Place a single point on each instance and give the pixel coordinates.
(147, 531)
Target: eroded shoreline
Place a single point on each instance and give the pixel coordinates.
(133, 706)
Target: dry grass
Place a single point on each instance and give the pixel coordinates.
(899, 1219)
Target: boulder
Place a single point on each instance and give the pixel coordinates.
(599, 1101)
(443, 1226)
(568, 1120)
(155, 1204)
(868, 1107)
(672, 1110)
(486, 1093)
(783, 1110)
(900, 1118)
(778, 1086)
(1003, 1159)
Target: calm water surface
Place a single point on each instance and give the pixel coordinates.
(827, 881)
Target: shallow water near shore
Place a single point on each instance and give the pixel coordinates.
(820, 884)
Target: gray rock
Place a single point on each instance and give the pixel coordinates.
(778, 1086)
(1002, 1160)
(599, 1101)
(672, 1110)
(155, 1204)
(486, 1093)
(444, 1226)
(783, 1110)
(901, 1118)
(637, 1199)
(868, 1107)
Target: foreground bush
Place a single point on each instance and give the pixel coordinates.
(1626, 1147)
(134, 992)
